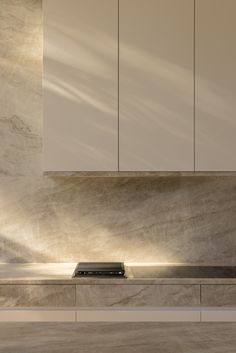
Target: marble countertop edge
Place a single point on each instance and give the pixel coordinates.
(61, 274)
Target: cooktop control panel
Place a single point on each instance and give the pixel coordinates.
(99, 269)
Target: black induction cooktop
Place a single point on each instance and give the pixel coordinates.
(99, 269)
(117, 269)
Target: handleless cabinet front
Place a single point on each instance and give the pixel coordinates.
(80, 85)
(215, 85)
(36, 295)
(221, 295)
(156, 56)
(132, 295)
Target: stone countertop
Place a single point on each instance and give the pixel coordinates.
(61, 273)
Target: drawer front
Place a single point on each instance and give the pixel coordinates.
(137, 295)
(218, 295)
(37, 295)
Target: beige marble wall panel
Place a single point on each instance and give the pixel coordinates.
(20, 89)
(180, 220)
(37, 295)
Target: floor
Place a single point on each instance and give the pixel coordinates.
(118, 337)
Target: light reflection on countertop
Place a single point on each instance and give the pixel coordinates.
(61, 273)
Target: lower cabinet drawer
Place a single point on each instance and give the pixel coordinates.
(137, 295)
(37, 295)
(218, 295)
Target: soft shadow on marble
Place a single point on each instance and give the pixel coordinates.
(174, 220)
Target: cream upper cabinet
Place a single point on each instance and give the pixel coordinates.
(215, 85)
(80, 85)
(156, 59)
(139, 85)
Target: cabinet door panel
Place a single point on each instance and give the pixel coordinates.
(80, 85)
(36, 295)
(137, 295)
(219, 295)
(215, 85)
(156, 85)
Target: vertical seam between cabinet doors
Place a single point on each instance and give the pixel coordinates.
(194, 85)
(118, 86)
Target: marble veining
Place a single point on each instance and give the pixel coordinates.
(16, 134)
(180, 220)
(223, 295)
(117, 337)
(20, 89)
(37, 295)
(137, 295)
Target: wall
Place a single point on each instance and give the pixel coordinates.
(43, 218)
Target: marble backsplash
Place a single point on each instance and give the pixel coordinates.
(67, 218)
(183, 219)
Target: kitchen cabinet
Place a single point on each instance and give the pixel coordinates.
(47, 293)
(82, 129)
(36, 295)
(150, 89)
(215, 85)
(219, 295)
(156, 85)
(80, 85)
(137, 295)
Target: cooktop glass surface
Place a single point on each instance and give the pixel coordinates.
(182, 271)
